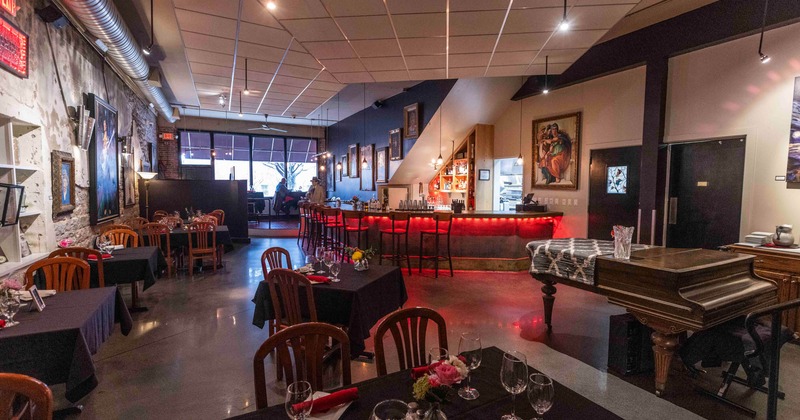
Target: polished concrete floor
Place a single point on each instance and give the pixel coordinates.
(190, 355)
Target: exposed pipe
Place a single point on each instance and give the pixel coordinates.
(101, 19)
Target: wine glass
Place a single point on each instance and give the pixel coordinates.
(11, 308)
(469, 346)
(540, 393)
(390, 410)
(297, 394)
(514, 377)
(320, 254)
(335, 268)
(438, 354)
(328, 259)
(104, 243)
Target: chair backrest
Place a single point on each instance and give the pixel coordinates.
(24, 397)
(273, 258)
(157, 234)
(60, 273)
(300, 350)
(444, 220)
(137, 222)
(400, 220)
(176, 221)
(83, 254)
(126, 237)
(202, 235)
(158, 214)
(219, 214)
(284, 288)
(331, 215)
(106, 228)
(408, 327)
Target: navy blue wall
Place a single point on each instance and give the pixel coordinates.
(429, 95)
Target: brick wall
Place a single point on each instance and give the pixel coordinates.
(168, 162)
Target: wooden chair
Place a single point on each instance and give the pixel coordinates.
(159, 214)
(137, 222)
(443, 222)
(24, 397)
(219, 214)
(176, 221)
(157, 234)
(305, 345)
(202, 243)
(83, 254)
(284, 288)
(125, 237)
(274, 258)
(61, 273)
(106, 228)
(408, 327)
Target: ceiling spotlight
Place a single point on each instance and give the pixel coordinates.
(764, 58)
(520, 161)
(328, 155)
(761, 56)
(338, 166)
(439, 160)
(564, 26)
(246, 91)
(271, 5)
(147, 50)
(241, 115)
(364, 164)
(546, 91)
(222, 100)
(322, 168)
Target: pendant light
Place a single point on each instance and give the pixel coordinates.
(439, 160)
(520, 161)
(564, 25)
(364, 163)
(761, 56)
(240, 104)
(147, 50)
(246, 90)
(546, 89)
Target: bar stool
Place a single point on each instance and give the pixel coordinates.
(332, 227)
(304, 232)
(443, 223)
(354, 222)
(315, 218)
(399, 230)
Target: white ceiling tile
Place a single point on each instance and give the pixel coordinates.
(358, 77)
(254, 12)
(207, 43)
(467, 72)
(366, 27)
(575, 39)
(522, 42)
(533, 20)
(560, 56)
(211, 70)
(256, 66)
(468, 5)
(302, 59)
(469, 60)
(325, 94)
(333, 87)
(278, 87)
(384, 63)
(501, 71)
(472, 44)
(423, 46)
(343, 65)
(298, 9)
(330, 49)
(208, 57)
(476, 23)
(434, 74)
(206, 24)
(376, 47)
(302, 72)
(264, 35)
(313, 29)
(260, 52)
(291, 81)
(389, 76)
(425, 25)
(211, 7)
(211, 79)
(420, 62)
(326, 76)
(513, 58)
(424, 6)
(355, 7)
(597, 17)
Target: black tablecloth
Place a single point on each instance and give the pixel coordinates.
(358, 301)
(493, 402)
(131, 264)
(179, 238)
(56, 345)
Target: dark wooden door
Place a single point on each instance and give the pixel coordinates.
(613, 190)
(705, 193)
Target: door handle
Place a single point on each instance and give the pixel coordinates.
(673, 210)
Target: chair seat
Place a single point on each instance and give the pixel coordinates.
(332, 225)
(434, 231)
(204, 251)
(356, 229)
(393, 232)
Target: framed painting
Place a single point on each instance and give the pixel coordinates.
(556, 147)
(342, 168)
(411, 121)
(793, 161)
(353, 160)
(63, 173)
(128, 179)
(103, 165)
(330, 173)
(395, 144)
(368, 170)
(345, 164)
(382, 165)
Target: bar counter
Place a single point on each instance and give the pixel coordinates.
(480, 240)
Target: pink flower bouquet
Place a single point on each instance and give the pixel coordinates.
(435, 382)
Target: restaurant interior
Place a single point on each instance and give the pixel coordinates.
(399, 209)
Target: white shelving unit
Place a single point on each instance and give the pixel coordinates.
(21, 163)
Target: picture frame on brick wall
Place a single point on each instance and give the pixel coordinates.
(103, 163)
(63, 173)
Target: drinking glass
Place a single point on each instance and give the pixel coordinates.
(335, 268)
(320, 254)
(437, 354)
(390, 410)
(104, 244)
(297, 393)
(11, 309)
(540, 393)
(469, 346)
(328, 258)
(514, 377)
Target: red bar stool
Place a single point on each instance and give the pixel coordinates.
(399, 230)
(303, 231)
(443, 223)
(332, 227)
(354, 223)
(316, 224)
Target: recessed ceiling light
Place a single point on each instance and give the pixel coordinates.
(271, 5)
(764, 58)
(564, 26)
(546, 91)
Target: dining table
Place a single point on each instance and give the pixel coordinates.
(56, 345)
(179, 238)
(357, 302)
(494, 401)
(128, 265)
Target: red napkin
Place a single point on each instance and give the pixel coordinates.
(329, 401)
(319, 279)
(419, 372)
(94, 257)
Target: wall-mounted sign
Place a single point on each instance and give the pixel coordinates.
(9, 6)
(13, 49)
(167, 136)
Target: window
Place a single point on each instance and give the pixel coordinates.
(268, 163)
(195, 148)
(617, 180)
(232, 156)
(302, 163)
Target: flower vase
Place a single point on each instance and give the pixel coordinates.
(435, 413)
(361, 265)
(623, 235)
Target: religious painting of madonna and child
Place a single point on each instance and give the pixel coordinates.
(793, 166)
(556, 143)
(103, 168)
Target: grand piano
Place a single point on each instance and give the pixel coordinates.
(668, 289)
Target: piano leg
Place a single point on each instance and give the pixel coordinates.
(664, 345)
(549, 289)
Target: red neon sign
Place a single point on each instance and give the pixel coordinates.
(9, 6)
(13, 49)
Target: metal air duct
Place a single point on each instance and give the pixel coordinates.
(101, 19)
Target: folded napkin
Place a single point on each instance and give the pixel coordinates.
(25, 295)
(94, 257)
(319, 279)
(419, 372)
(329, 401)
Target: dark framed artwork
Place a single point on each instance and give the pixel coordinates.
(411, 121)
(353, 160)
(103, 165)
(330, 172)
(395, 144)
(368, 170)
(793, 161)
(342, 168)
(556, 146)
(128, 179)
(11, 199)
(484, 175)
(382, 164)
(63, 172)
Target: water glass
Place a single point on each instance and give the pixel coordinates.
(297, 393)
(390, 410)
(335, 268)
(540, 393)
(438, 354)
(469, 346)
(514, 377)
(623, 235)
(11, 308)
(320, 254)
(328, 258)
